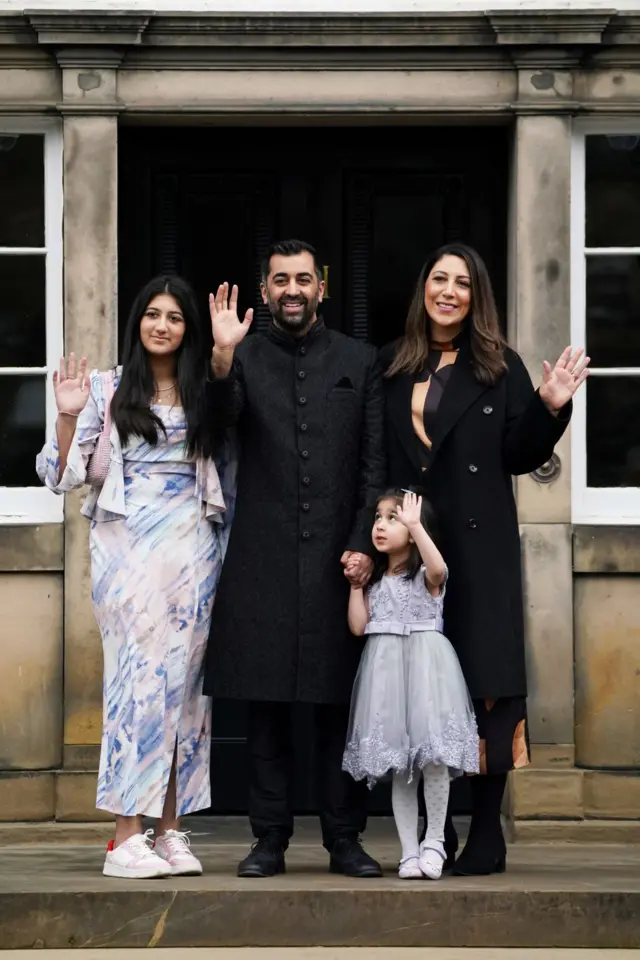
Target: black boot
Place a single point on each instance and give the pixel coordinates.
(485, 851)
(450, 841)
(348, 858)
(266, 858)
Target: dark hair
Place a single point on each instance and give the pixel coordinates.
(131, 405)
(428, 521)
(288, 248)
(486, 339)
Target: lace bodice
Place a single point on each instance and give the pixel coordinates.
(401, 606)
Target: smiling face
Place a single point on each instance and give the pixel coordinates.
(447, 297)
(162, 326)
(389, 535)
(292, 291)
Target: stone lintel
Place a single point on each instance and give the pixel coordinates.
(623, 29)
(605, 549)
(543, 27)
(99, 28)
(16, 30)
(89, 58)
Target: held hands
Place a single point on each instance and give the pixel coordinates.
(228, 331)
(559, 383)
(71, 386)
(409, 513)
(358, 568)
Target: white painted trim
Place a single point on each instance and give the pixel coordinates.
(593, 505)
(22, 251)
(20, 505)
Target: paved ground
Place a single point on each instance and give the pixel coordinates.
(331, 953)
(554, 895)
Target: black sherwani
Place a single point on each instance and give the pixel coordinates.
(310, 416)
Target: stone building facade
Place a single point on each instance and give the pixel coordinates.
(84, 94)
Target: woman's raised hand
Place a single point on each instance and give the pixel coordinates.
(228, 330)
(71, 385)
(559, 383)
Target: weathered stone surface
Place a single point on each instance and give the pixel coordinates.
(553, 756)
(76, 798)
(85, 757)
(30, 671)
(556, 794)
(90, 242)
(27, 796)
(607, 652)
(548, 898)
(32, 548)
(584, 832)
(611, 795)
(539, 321)
(606, 549)
(548, 609)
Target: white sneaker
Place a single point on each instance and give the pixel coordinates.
(134, 859)
(409, 869)
(432, 858)
(173, 848)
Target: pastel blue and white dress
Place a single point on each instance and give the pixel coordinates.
(159, 526)
(410, 705)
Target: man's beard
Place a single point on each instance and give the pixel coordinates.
(293, 324)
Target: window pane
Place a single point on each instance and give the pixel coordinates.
(21, 190)
(613, 440)
(22, 429)
(22, 311)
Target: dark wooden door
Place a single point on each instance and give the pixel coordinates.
(206, 203)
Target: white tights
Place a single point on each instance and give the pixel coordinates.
(404, 799)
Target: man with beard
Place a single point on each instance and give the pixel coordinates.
(309, 408)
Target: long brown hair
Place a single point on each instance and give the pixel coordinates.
(486, 339)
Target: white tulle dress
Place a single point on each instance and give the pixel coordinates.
(410, 705)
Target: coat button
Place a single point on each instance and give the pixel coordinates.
(303, 427)
(472, 524)
(306, 481)
(303, 351)
(301, 375)
(487, 410)
(305, 534)
(304, 454)
(305, 507)
(302, 401)
(473, 468)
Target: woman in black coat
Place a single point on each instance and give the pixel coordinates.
(462, 419)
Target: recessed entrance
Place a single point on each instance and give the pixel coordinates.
(374, 201)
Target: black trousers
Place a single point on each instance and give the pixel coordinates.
(342, 801)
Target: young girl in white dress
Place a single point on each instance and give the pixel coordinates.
(411, 712)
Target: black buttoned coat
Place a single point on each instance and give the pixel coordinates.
(483, 436)
(310, 419)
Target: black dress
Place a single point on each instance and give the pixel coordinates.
(462, 442)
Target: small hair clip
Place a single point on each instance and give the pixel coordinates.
(405, 491)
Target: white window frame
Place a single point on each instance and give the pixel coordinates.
(35, 505)
(593, 505)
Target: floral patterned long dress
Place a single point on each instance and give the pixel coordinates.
(158, 532)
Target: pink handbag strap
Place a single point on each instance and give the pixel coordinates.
(108, 396)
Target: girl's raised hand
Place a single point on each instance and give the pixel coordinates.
(71, 385)
(409, 513)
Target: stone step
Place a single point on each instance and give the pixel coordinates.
(561, 895)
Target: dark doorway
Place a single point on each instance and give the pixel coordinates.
(374, 201)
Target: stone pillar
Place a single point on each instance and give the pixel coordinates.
(539, 328)
(90, 251)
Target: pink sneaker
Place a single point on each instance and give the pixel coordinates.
(134, 859)
(173, 847)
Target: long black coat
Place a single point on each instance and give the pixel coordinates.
(310, 424)
(483, 435)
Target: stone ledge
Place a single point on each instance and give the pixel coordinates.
(546, 794)
(611, 796)
(27, 796)
(32, 548)
(76, 798)
(584, 832)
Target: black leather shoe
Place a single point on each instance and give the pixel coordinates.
(477, 865)
(266, 859)
(348, 858)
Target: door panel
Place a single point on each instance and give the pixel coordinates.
(373, 201)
